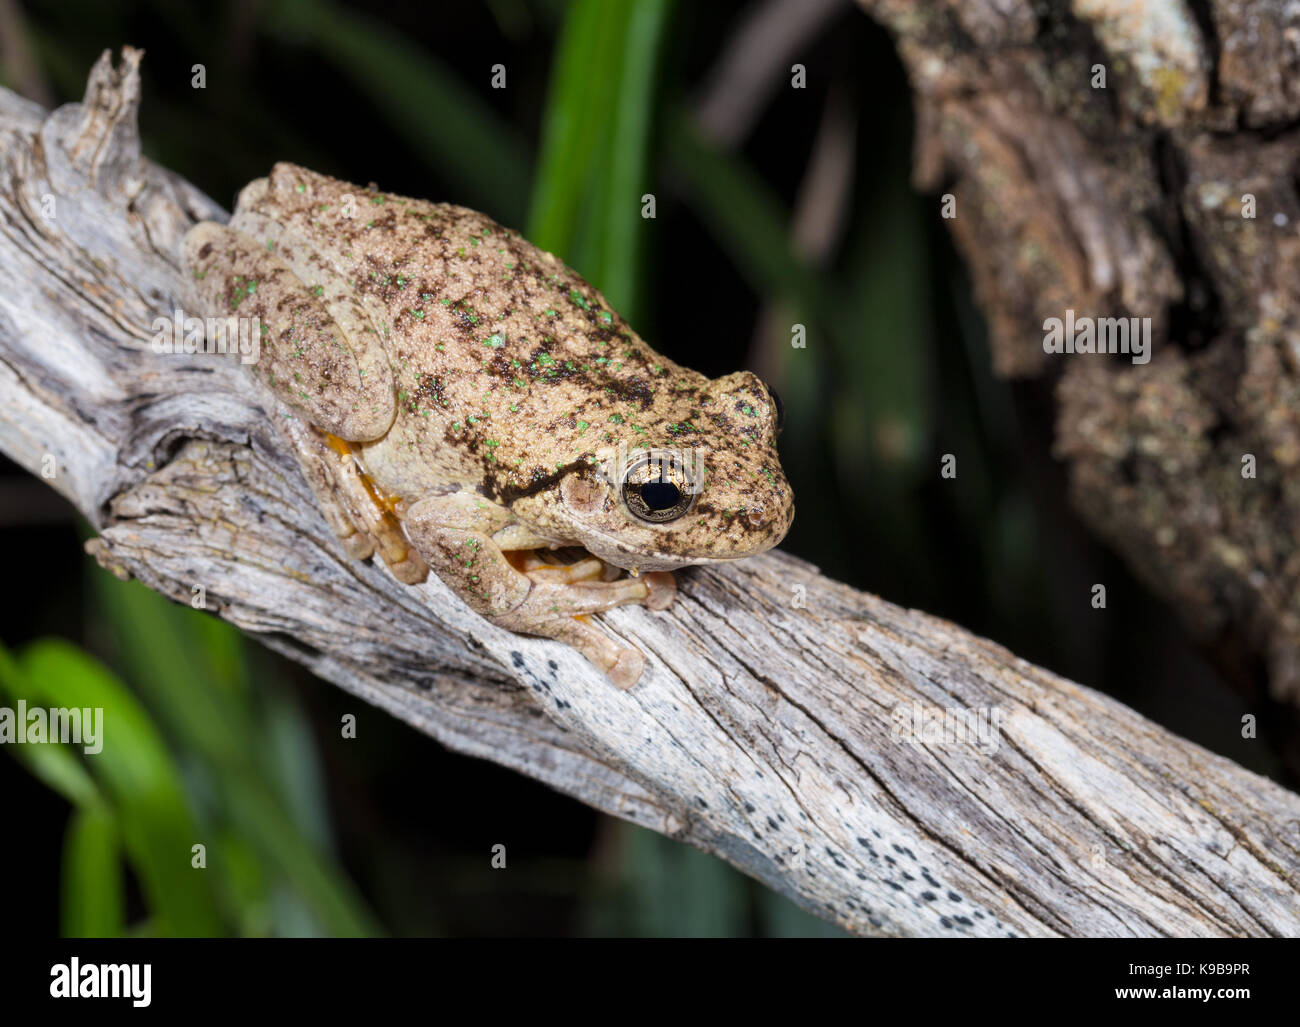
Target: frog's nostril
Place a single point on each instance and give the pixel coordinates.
(757, 516)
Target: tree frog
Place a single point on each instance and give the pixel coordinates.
(462, 401)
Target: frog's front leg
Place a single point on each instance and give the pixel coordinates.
(461, 536)
(363, 521)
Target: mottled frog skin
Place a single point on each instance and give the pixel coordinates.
(461, 400)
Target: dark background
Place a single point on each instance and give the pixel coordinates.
(896, 373)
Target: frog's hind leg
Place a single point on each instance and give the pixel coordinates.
(462, 536)
(319, 350)
(363, 521)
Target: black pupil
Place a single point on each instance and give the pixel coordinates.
(660, 495)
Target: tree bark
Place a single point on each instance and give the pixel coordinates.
(1135, 200)
(776, 724)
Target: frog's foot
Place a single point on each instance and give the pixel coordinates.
(561, 611)
(663, 589)
(623, 667)
(558, 608)
(361, 519)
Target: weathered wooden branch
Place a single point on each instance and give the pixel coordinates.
(772, 725)
(1167, 189)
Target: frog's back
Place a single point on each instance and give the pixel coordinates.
(508, 366)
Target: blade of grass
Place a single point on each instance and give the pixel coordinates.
(160, 651)
(338, 909)
(246, 893)
(586, 203)
(672, 890)
(781, 918)
(55, 766)
(577, 116)
(172, 658)
(621, 243)
(140, 780)
(92, 904)
(713, 897)
(295, 768)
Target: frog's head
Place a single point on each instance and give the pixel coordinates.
(702, 483)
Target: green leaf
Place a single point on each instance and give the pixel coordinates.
(621, 243)
(577, 117)
(595, 144)
(140, 781)
(883, 345)
(55, 766)
(164, 652)
(260, 766)
(781, 918)
(92, 903)
(667, 889)
(337, 909)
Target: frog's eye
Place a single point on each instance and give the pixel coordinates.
(657, 488)
(778, 406)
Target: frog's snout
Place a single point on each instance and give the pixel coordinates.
(770, 522)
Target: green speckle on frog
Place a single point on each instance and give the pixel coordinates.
(462, 401)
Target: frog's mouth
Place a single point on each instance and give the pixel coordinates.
(630, 558)
(641, 562)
